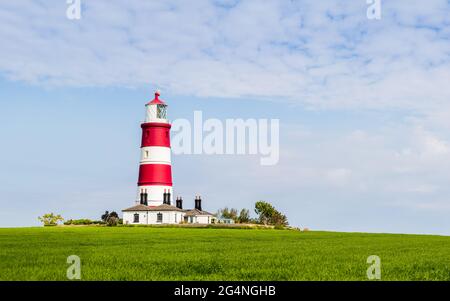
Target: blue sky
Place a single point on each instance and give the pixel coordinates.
(364, 106)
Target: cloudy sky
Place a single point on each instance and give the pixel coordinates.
(364, 106)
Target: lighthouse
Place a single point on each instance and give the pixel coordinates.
(154, 202)
(155, 170)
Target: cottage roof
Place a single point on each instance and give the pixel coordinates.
(139, 207)
(195, 212)
(163, 207)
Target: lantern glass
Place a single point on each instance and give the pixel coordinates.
(161, 111)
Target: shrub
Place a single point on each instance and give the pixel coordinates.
(82, 221)
(98, 223)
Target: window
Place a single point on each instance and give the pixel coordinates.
(161, 111)
(159, 218)
(146, 154)
(136, 218)
(176, 217)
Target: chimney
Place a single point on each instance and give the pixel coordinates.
(142, 198)
(198, 203)
(168, 197)
(165, 197)
(145, 198)
(179, 203)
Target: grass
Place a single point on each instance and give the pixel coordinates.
(138, 253)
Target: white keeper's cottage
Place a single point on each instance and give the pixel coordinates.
(167, 214)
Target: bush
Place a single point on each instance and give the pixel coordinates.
(98, 223)
(279, 227)
(83, 221)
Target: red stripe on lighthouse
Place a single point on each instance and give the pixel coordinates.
(155, 174)
(155, 134)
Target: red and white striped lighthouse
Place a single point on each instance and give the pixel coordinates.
(155, 170)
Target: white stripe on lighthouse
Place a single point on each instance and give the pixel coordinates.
(155, 194)
(155, 155)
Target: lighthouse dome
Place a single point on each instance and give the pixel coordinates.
(156, 100)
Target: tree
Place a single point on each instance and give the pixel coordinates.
(228, 213)
(244, 216)
(105, 216)
(279, 219)
(108, 215)
(112, 221)
(265, 211)
(50, 219)
(269, 215)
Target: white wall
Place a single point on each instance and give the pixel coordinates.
(169, 217)
(203, 219)
(128, 217)
(200, 219)
(150, 217)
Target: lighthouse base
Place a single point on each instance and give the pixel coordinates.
(155, 194)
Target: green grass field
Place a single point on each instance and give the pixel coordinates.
(141, 253)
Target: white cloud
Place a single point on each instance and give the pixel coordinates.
(430, 144)
(319, 53)
(403, 164)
